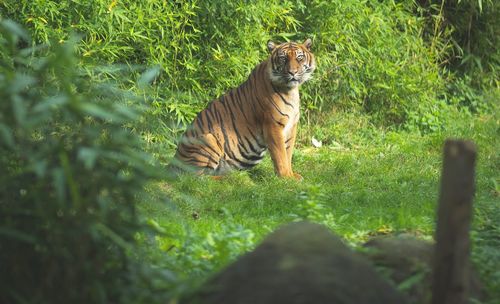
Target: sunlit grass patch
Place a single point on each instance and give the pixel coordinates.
(384, 182)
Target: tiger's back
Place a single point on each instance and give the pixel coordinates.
(236, 130)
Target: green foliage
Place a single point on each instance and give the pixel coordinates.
(202, 254)
(313, 207)
(475, 28)
(472, 29)
(486, 254)
(179, 36)
(371, 55)
(71, 176)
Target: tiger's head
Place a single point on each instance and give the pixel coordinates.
(292, 63)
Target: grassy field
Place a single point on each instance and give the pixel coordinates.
(363, 181)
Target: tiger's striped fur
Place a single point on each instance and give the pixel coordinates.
(235, 130)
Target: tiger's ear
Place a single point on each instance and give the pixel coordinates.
(270, 46)
(308, 43)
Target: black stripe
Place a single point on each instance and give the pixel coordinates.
(252, 134)
(222, 100)
(187, 157)
(199, 121)
(278, 109)
(239, 104)
(254, 74)
(252, 157)
(282, 98)
(205, 147)
(199, 152)
(250, 145)
(262, 105)
(243, 164)
(224, 133)
(232, 163)
(209, 119)
(244, 152)
(261, 147)
(179, 151)
(256, 140)
(233, 119)
(242, 146)
(279, 123)
(211, 148)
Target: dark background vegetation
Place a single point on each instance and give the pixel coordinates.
(94, 94)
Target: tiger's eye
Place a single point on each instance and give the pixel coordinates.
(300, 57)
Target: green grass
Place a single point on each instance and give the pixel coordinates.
(368, 181)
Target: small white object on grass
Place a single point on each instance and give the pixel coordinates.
(316, 143)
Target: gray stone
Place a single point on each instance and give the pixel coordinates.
(297, 264)
(408, 262)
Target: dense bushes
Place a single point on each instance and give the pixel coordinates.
(474, 27)
(468, 34)
(379, 57)
(71, 175)
(372, 57)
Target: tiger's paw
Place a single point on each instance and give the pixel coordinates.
(297, 176)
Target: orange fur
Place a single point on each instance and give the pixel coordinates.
(235, 130)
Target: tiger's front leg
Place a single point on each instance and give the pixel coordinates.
(275, 140)
(290, 144)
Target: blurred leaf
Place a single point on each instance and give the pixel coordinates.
(97, 111)
(412, 281)
(18, 235)
(59, 183)
(19, 109)
(51, 103)
(148, 76)
(113, 236)
(88, 156)
(14, 30)
(6, 135)
(21, 83)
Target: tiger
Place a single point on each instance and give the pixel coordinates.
(235, 130)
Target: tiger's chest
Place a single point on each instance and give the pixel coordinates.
(290, 113)
(293, 120)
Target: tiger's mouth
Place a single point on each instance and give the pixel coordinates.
(292, 79)
(295, 80)
(288, 80)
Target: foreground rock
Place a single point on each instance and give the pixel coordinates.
(408, 262)
(299, 263)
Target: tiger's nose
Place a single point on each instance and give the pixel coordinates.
(293, 74)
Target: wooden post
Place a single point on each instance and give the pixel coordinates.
(451, 260)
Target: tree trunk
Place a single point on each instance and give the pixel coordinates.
(451, 269)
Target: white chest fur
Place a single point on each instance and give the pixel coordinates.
(294, 118)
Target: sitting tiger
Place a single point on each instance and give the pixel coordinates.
(235, 130)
